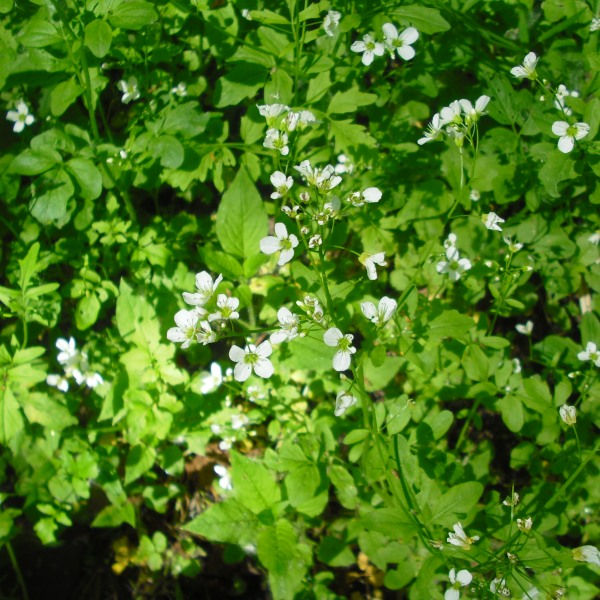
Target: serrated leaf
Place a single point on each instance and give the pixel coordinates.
(253, 484)
(241, 217)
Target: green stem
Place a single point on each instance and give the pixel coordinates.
(463, 431)
(15, 565)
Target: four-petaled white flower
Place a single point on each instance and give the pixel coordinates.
(336, 339)
(454, 266)
(185, 332)
(288, 322)
(239, 421)
(324, 179)
(371, 195)
(589, 554)
(451, 114)
(590, 353)
(277, 140)
(211, 381)
(281, 242)
(251, 358)
(180, 90)
(525, 328)
(512, 245)
(400, 42)
(568, 134)
(204, 334)
(227, 309)
(58, 381)
(472, 113)
(91, 379)
(20, 116)
(568, 414)
(369, 48)
(130, 90)
(206, 288)
(383, 313)
(525, 524)
(527, 69)
(281, 183)
(68, 352)
(306, 117)
(434, 130)
(461, 579)
(271, 111)
(343, 402)
(224, 478)
(331, 22)
(372, 260)
(460, 538)
(492, 221)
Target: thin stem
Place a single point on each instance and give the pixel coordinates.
(15, 565)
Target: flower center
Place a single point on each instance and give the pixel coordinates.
(344, 344)
(251, 358)
(571, 131)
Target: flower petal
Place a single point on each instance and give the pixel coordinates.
(410, 35)
(236, 354)
(565, 144)
(270, 244)
(242, 371)
(341, 360)
(332, 336)
(263, 366)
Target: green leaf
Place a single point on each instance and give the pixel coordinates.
(511, 409)
(139, 460)
(241, 217)
(86, 312)
(242, 81)
(185, 120)
(63, 95)
(456, 503)
(133, 14)
(426, 20)
(475, 363)
(278, 551)
(39, 33)
(114, 515)
(590, 328)
(169, 150)
(87, 176)
(450, 323)
(558, 167)
(227, 522)
(50, 208)
(349, 100)
(34, 162)
(537, 394)
(28, 266)
(253, 484)
(11, 419)
(98, 37)
(348, 135)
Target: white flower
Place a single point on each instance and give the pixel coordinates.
(371, 261)
(451, 114)
(371, 195)
(271, 111)
(454, 265)
(400, 43)
(336, 339)
(227, 308)
(180, 90)
(185, 332)
(459, 537)
(315, 241)
(211, 381)
(527, 69)
(281, 183)
(224, 478)
(291, 120)
(461, 579)
(472, 113)
(492, 221)
(595, 24)
(594, 238)
(277, 140)
(92, 379)
(20, 116)
(343, 165)
(239, 421)
(324, 179)
(474, 195)
(58, 381)
(343, 402)
(450, 241)
(383, 313)
(512, 500)
(590, 353)
(206, 288)
(251, 358)
(568, 134)
(525, 328)
(226, 443)
(331, 22)
(516, 365)
(559, 99)
(204, 334)
(369, 48)
(288, 323)
(589, 554)
(68, 352)
(568, 414)
(130, 90)
(512, 246)
(311, 305)
(498, 585)
(246, 14)
(434, 130)
(281, 242)
(525, 525)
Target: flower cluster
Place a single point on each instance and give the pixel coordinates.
(281, 121)
(457, 121)
(75, 365)
(394, 42)
(454, 265)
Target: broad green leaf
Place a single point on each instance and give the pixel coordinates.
(133, 14)
(456, 503)
(511, 409)
(34, 162)
(28, 266)
(558, 167)
(169, 151)
(114, 515)
(391, 522)
(11, 419)
(241, 217)
(242, 81)
(139, 460)
(86, 311)
(87, 176)
(39, 33)
(253, 484)
(98, 37)
(350, 136)
(349, 101)
(185, 120)
(426, 20)
(451, 324)
(63, 95)
(50, 207)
